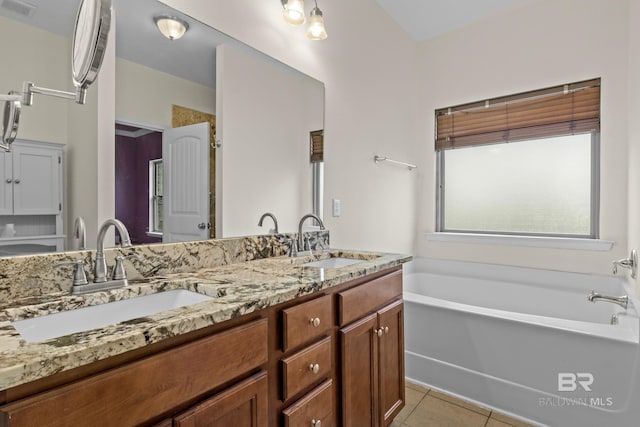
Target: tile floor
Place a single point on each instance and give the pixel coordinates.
(430, 408)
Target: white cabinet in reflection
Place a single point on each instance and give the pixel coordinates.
(31, 198)
(32, 179)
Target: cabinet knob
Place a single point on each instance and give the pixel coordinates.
(316, 423)
(315, 368)
(378, 332)
(17, 181)
(9, 181)
(315, 321)
(386, 329)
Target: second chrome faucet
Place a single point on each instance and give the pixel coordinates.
(299, 246)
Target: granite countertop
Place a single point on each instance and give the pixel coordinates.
(237, 289)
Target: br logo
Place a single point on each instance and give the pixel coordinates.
(568, 381)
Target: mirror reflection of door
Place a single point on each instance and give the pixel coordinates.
(185, 157)
(163, 181)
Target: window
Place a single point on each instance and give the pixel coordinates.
(155, 196)
(527, 164)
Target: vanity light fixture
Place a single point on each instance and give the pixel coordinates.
(171, 27)
(316, 30)
(293, 11)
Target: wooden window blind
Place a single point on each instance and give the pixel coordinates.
(561, 110)
(317, 146)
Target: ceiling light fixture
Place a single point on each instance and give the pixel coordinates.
(293, 11)
(171, 27)
(316, 30)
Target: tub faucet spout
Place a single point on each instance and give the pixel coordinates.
(622, 301)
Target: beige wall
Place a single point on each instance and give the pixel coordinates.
(263, 164)
(30, 54)
(535, 45)
(634, 131)
(145, 95)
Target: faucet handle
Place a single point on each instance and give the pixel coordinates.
(79, 275)
(119, 272)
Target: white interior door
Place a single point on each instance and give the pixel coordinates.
(185, 158)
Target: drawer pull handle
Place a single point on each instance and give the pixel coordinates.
(378, 332)
(315, 368)
(315, 321)
(316, 423)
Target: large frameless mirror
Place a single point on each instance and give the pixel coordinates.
(258, 162)
(93, 22)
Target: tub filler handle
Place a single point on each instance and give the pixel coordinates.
(622, 301)
(631, 263)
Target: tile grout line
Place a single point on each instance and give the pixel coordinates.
(460, 406)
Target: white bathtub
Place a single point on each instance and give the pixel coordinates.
(511, 338)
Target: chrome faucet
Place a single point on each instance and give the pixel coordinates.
(621, 300)
(631, 263)
(301, 245)
(270, 215)
(100, 270)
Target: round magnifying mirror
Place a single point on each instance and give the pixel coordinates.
(90, 40)
(11, 121)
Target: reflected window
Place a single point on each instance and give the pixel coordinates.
(155, 195)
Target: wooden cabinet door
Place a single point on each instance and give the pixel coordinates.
(243, 405)
(391, 361)
(359, 348)
(36, 180)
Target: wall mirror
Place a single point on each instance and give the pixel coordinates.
(258, 115)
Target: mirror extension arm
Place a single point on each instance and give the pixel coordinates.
(28, 89)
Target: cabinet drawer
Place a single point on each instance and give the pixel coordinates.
(242, 405)
(305, 368)
(148, 388)
(306, 322)
(361, 300)
(315, 406)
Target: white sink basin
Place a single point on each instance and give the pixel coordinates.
(336, 262)
(56, 325)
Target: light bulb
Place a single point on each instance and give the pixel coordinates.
(293, 12)
(316, 30)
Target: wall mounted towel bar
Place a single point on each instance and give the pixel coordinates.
(379, 159)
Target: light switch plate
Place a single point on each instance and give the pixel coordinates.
(337, 208)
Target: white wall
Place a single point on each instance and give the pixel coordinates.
(145, 96)
(634, 131)
(535, 45)
(265, 114)
(368, 66)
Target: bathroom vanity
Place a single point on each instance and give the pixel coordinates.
(280, 343)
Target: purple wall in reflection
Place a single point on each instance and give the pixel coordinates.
(132, 182)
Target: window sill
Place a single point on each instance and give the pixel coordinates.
(527, 241)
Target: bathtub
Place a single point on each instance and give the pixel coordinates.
(525, 342)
